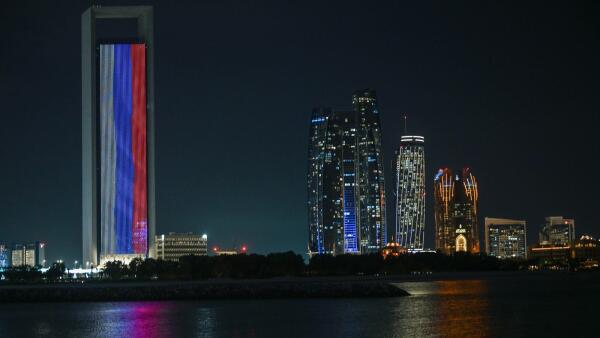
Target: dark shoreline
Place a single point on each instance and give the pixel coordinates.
(201, 290)
(274, 288)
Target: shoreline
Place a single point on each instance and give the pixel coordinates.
(197, 290)
(273, 288)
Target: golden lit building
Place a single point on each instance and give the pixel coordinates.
(456, 226)
(393, 249)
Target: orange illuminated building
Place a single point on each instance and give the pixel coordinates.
(393, 249)
(456, 226)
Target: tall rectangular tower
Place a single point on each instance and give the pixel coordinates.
(118, 190)
(410, 192)
(370, 179)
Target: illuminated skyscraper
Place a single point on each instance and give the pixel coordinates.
(456, 212)
(346, 205)
(370, 179)
(5, 256)
(505, 238)
(118, 204)
(410, 192)
(331, 183)
(557, 231)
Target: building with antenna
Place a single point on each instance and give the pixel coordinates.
(410, 192)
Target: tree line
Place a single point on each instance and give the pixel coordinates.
(276, 265)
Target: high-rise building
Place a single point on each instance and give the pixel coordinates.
(332, 186)
(346, 204)
(410, 192)
(5, 256)
(118, 204)
(371, 182)
(456, 212)
(505, 238)
(557, 231)
(30, 254)
(172, 246)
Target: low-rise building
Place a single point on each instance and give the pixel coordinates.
(505, 238)
(31, 254)
(229, 251)
(172, 246)
(557, 231)
(586, 252)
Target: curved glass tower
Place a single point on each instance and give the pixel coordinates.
(346, 191)
(371, 182)
(410, 192)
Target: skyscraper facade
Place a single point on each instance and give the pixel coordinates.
(345, 214)
(456, 223)
(370, 180)
(557, 231)
(505, 238)
(410, 192)
(118, 204)
(5, 256)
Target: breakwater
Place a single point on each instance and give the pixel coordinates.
(189, 290)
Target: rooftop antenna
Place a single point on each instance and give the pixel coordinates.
(405, 128)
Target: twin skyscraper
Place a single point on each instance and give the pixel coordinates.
(346, 184)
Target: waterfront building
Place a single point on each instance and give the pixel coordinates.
(456, 223)
(229, 251)
(557, 231)
(586, 251)
(30, 254)
(172, 246)
(505, 238)
(346, 199)
(550, 256)
(5, 256)
(410, 192)
(393, 249)
(118, 191)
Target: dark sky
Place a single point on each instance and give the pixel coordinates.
(509, 89)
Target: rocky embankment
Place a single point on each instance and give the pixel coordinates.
(137, 291)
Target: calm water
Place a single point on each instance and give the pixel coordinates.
(556, 305)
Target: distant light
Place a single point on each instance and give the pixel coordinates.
(204, 236)
(244, 248)
(215, 248)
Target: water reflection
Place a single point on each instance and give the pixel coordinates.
(443, 308)
(462, 308)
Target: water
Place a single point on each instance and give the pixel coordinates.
(498, 305)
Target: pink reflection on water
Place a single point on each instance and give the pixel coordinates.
(146, 319)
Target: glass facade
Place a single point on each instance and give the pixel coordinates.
(505, 238)
(410, 192)
(371, 182)
(346, 205)
(557, 231)
(456, 223)
(4, 256)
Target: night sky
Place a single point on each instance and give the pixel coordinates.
(511, 90)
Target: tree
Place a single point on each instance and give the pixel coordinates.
(56, 271)
(115, 270)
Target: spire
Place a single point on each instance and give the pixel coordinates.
(405, 128)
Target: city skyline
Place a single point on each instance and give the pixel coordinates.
(477, 87)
